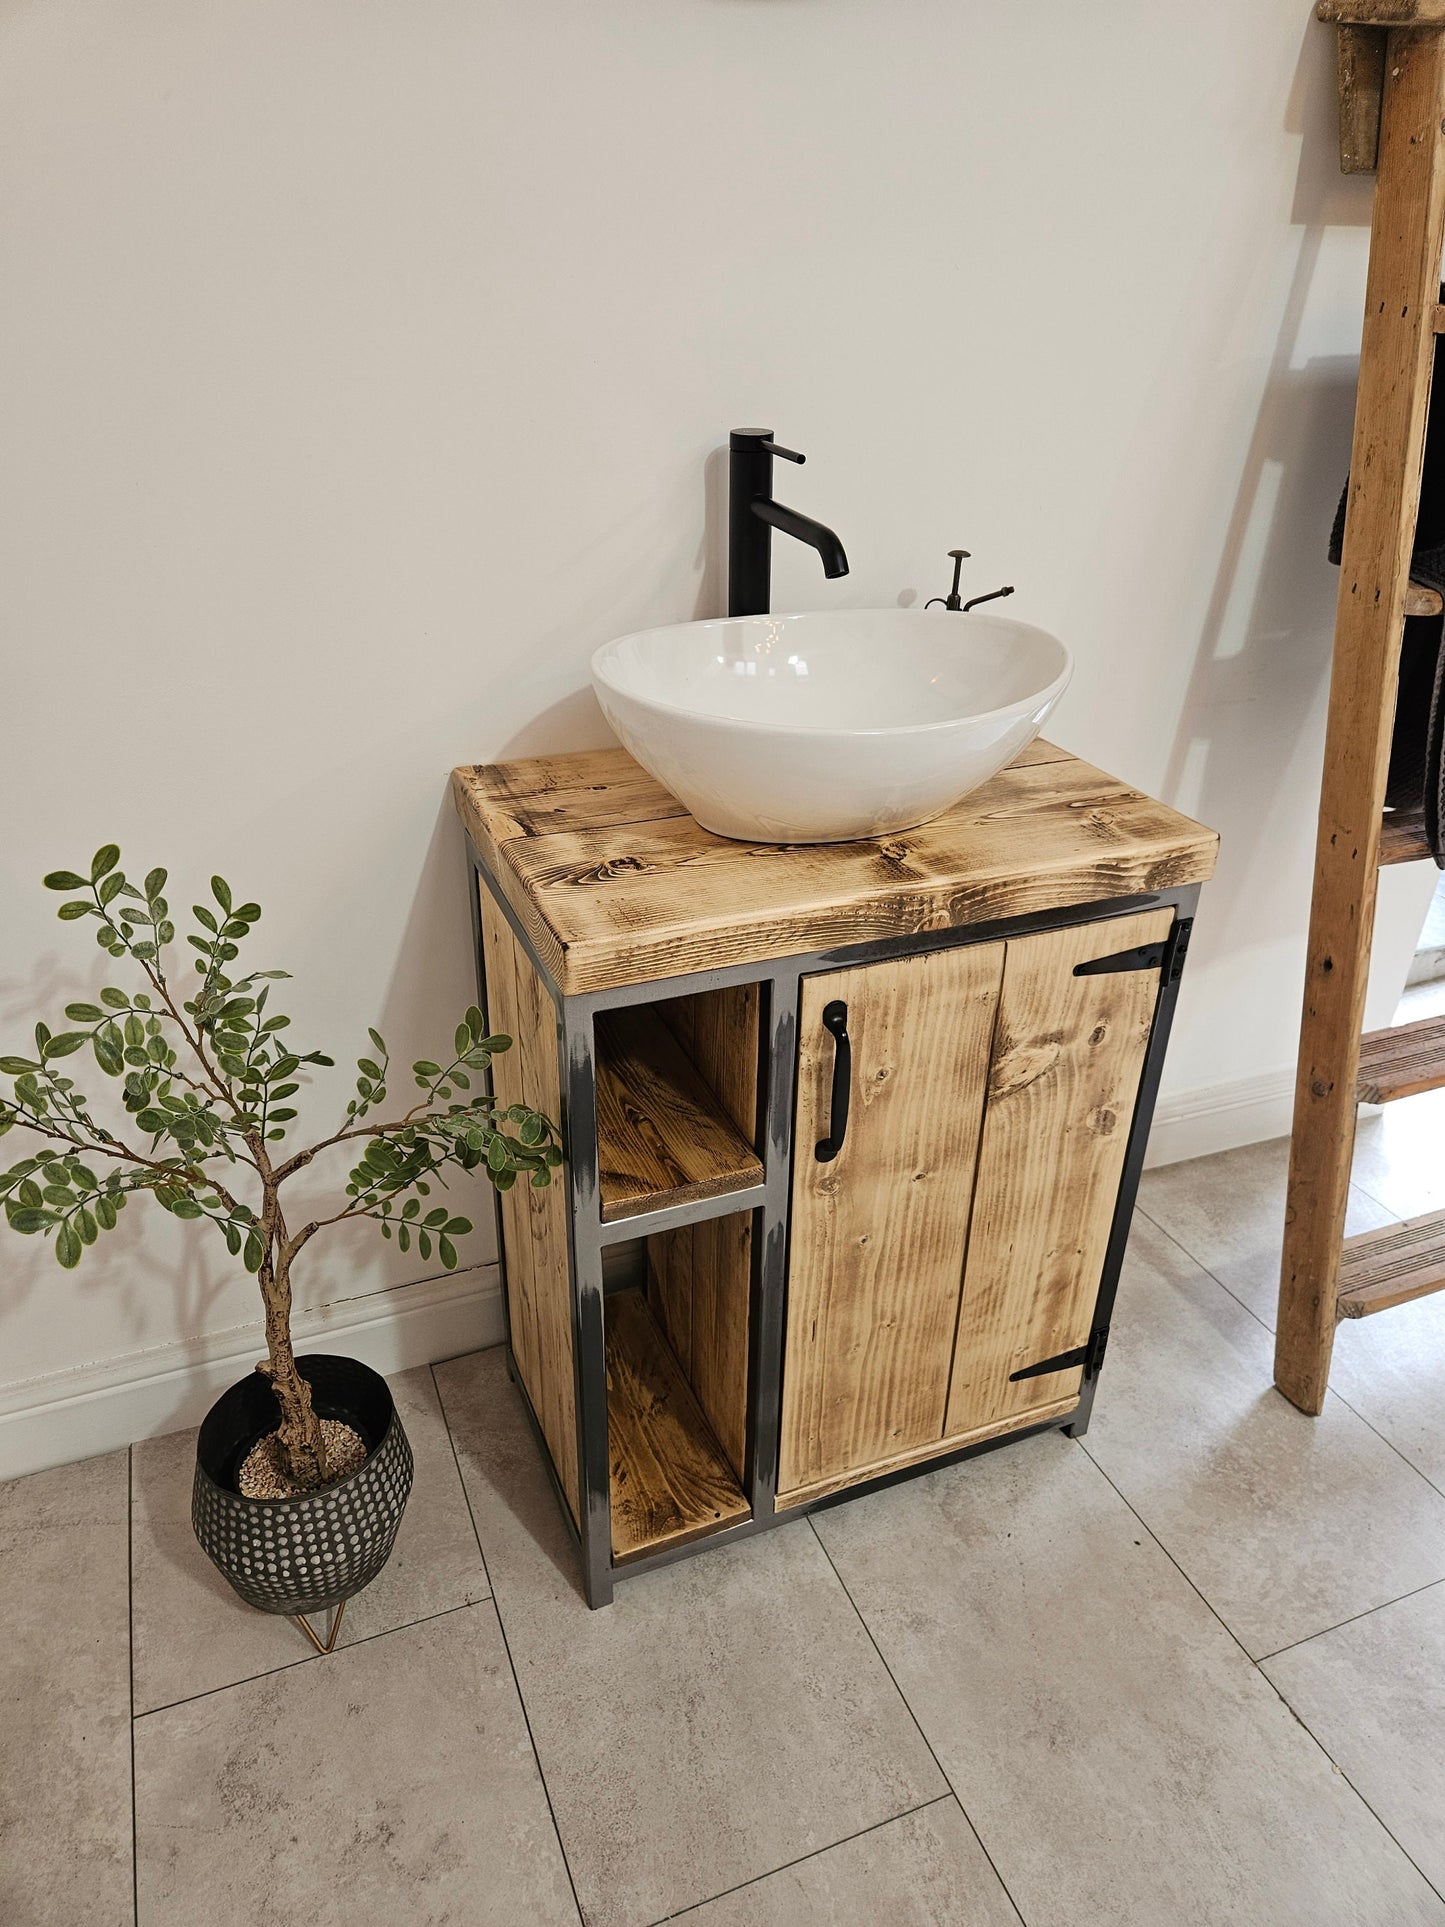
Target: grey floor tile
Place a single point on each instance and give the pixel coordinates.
(723, 1717)
(1228, 1213)
(392, 1782)
(65, 1812)
(1120, 1758)
(1286, 1524)
(1391, 1368)
(193, 1634)
(1373, 1694)
(925, 1870)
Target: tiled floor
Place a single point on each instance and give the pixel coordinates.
(1190, 1669)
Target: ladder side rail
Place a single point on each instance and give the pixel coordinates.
(1396, 353)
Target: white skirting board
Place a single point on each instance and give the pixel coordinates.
(1248, 1110)
(74, 1415)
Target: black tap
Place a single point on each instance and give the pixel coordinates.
(752, 517)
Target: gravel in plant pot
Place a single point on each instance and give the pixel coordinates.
(303, 1468)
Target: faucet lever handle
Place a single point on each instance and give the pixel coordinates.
(787, 454)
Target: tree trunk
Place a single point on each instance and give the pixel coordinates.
(303, 1449)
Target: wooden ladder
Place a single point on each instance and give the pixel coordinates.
(1392, 122)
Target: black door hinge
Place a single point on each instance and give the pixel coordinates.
(1166, 956)
(1090, 1356)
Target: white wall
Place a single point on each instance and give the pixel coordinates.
(365, 364)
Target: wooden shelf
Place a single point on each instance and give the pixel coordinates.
(1402, 837)
(670, 1479)
(1402, 1062)
(1391, 1266)
(663, 1136)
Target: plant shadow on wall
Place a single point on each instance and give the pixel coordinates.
(1264, 652)
(205, 1073)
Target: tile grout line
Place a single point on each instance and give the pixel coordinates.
(947, 1781)
(1251, 1661)
(507, 1646)
(306, 1659)
(1331, 1391)
(1353, 1620)
(802, 1860)
(130, 1670)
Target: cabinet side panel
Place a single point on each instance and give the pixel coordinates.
(699, 1282)
(534, 1223)
(878, 1234)
(719, 1031)
(1063, 1085)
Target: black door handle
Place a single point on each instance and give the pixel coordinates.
(835, 1019)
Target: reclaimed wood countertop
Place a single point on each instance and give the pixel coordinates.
(615, 883)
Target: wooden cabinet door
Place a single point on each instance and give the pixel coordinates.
(878, 1232)
(1068, 1056)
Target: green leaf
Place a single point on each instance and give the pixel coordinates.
(105, 1212)
(221, 891)
(154, 884)
(254, 1252)
(504, 1180)
(64, 880)
(365, 1064)
(65, 1043)
(28, 1218)
(496, 1045)
(68, 912)
(104, 860)
(411, 1207)
(458, 1227)
(188, 1208)
(67, 1247)
(476, 1022)
(116, 999)
(84, 1014)
(425, 1068)
(462, 1041)
(233, 1239)
(533, 1130)
(540, 1180)
(17, 1066)
(497, 1155)
(112, 887)
(448, 1252)
(85, 1224)
(435, 1218)
(424, 1242)
(378, 1042)
(403, 1237)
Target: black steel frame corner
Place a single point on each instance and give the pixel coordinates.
(588, 1238)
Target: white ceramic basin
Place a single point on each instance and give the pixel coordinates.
(824, 728)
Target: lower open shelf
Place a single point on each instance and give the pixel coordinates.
(670, 1479)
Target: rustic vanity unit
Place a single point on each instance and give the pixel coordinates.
(853, 1130)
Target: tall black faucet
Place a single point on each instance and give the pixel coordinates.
(752, 517)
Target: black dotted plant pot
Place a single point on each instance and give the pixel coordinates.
(309, 1554)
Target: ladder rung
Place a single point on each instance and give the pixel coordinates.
(1391, 1266)
(1403, 838)
(1420, 601)
(1402, 1062)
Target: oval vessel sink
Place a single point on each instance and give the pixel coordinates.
(823, 728)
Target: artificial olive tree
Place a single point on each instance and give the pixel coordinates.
(205, 1080)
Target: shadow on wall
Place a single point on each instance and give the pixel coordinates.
(1264, 650)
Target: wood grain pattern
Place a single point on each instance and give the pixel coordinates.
(719, 1031)
(1420, 601)
(607, 899)
(699, 1286)
(1402, 837)
(916, 1455)
(1383, 13)
(1391, 1266)
(878, 1234)
(534, 1223)
(1361, 81)
(1396, 358)
(663, 1137)
(1068, 1054)
(670, 1481)
(1402, 1062)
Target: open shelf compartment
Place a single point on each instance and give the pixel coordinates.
(677, 1089)
(671, 1481)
